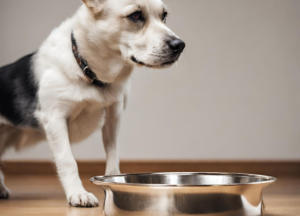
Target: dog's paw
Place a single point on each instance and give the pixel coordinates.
(4, 193)
(83, 199)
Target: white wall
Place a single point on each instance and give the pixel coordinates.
(234, 95)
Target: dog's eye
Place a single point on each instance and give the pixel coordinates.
(136, 16)
(164, 17)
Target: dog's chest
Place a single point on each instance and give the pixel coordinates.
(85, 118)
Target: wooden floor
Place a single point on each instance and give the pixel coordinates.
(42, 195)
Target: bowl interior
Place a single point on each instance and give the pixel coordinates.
(185, 179)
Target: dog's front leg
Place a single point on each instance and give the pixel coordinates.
(109, 134)
(57, 135)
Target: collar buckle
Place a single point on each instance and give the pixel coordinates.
(86, 72)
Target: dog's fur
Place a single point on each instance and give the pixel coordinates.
(46, 94)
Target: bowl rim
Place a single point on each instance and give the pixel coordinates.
(97, 179)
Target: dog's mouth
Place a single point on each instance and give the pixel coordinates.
(165, 64)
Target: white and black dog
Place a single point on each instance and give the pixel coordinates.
(79, 79)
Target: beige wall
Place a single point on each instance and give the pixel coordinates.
(234, 94)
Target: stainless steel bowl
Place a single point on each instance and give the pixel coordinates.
(183, 194)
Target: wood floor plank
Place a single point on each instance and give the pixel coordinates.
(36, 195)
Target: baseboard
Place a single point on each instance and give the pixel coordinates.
(92, 168)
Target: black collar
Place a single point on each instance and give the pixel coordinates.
(83, 64)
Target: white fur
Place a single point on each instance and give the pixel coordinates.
(4, 121)
(70, 109)
(4, 191)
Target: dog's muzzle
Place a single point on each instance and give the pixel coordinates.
(174, 47)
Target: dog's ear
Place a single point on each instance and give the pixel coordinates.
(95, 5)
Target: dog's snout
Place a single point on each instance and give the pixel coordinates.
(176, 45)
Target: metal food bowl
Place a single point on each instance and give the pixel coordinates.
(183, 194)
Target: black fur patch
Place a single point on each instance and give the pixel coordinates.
(18, 91)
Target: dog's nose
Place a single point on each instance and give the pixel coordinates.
(177, 45)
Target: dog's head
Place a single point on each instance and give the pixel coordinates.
(137, 28)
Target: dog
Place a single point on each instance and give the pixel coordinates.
(79, 80)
